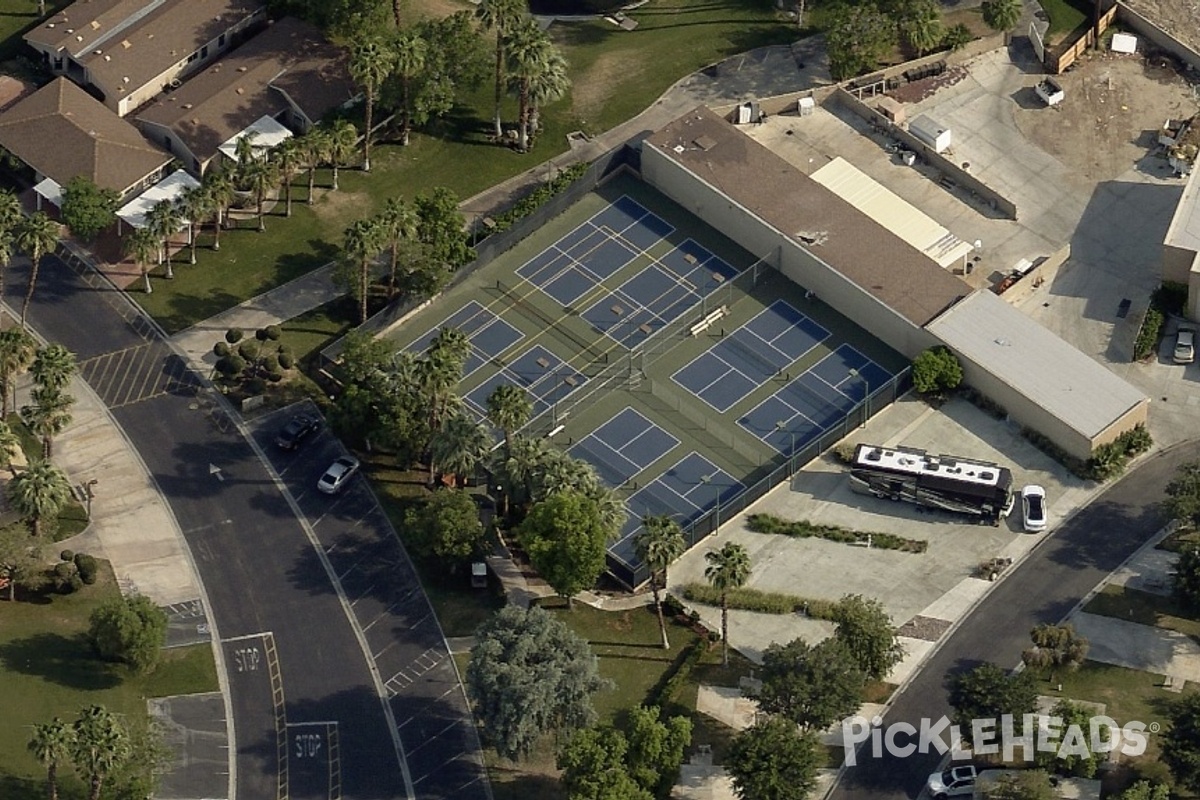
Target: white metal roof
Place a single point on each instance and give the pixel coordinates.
(266, 132)
(1075, 389)
(50, 190)
(892, 212)
(169, 188)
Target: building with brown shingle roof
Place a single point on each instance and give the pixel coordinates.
(61, 131)
(128, 51)
(289, 72)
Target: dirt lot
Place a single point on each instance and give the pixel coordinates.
(1107, 122)
(1180, 18)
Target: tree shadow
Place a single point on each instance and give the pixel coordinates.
(65, 660)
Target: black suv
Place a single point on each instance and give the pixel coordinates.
(296, 431)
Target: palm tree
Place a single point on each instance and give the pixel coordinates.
(657, 544)
(51, 745)
(408, 61)
(529, 54)
(922, 25)
(508, 408)
(314, 147)
(517, 469)
(548, 86)
(142, 245)
(53, 367)
(438, 373)
(36, 236)
(343, 141)
(289, 158)
(559, 472)
(49, 416)
(260, 175)
(17, 350)
(397, 221)
(8, 246)
(460, 445)
(100, 746)
(10, 446)
(1001, 15)
(610, 508)
(371, 62)
(39, 492)
(728, 569)
(163, 219)
(195, 206)
(10, 218)
(361, 244)
(500, 16)
(219, 187)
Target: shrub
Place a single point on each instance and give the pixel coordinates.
(66, 577)
(1148, 334)
(1076, 467)
(88, 568)
(275, 376)
(255, 386)
(676, 676)
(746, 599)
(1170, 297)
(249, 350)
(67, 555)
(800, 529)
(272, 332)
(844, 452)
(231, 365)
(957, 37)
(286, 360)
(532, 201)
(269, 363)
(234, 335)
(984, 403)
(221, 349)
(936, 370)
(1136, 440)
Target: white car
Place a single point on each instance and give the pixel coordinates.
(951, 783)
(338, 475)
(1185, 346)
(1033, 508)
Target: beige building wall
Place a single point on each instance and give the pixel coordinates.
(748, 230)
(1134, 417)
(1177, 263)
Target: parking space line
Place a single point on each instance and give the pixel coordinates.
(123, 374)
(144, 374)
(386, 611)
(430, 739)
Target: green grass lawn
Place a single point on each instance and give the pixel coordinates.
(47, 669)
(1180, 540)
(17, 17)
(1065, 16)
(72, 519)
(1128, 695)
(1144, 608)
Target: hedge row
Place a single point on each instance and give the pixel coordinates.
(763, 602)
(1107, 461)
(800, 529)
(675, 677)
(1147, 338)
(532, 201)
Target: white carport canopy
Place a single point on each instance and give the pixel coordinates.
(266, 132)
(892, 212)
(48, 189)
(169, 188)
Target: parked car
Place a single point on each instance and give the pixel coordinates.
(297, 429)
(338, 475)
(1033, 508)
(1185, 346)
(951, 783)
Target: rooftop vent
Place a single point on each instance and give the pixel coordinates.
(679, 148)
(706, 142)
(95, 24)
(241, 90)
(51, 25)
(108, 58)
(126, 44)
(97, 52)
(242, 69)
(813, 237)
(187, 105)
(125, 79)
(69, 30)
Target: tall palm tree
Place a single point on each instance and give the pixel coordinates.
(658, 544)
(141, 245)
(261, 176)
(529, 54)
(10, 218)
(408, 62)
(36, 236)
(219, 186)
(10, 446)
(195, 206)
(100, 746)
(509, 408)
(289, 159)
(438, 374)
(8, 246)
(361, 244)
(559, 472)
(371, 62)
(398, 222)
(53, 367)
(39, 492)
(51, 745)
(343, 141)
(164, 219)
(17, 350)
(460, 445)
(728, 569)
(545, 87)
(515, 471)
(500, 16)
(48, 416)
(922, 25)
(314, 147)
(1003, 15)
(610, 508)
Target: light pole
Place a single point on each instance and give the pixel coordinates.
(781, 426)
(866, 408)
(89, 493)
(707, 480)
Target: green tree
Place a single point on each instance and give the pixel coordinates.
(48, 416)
(659, 542)
(39, 492)
(410, 50)
(131, 630)
(454, 63)
(593, 765)
(1183, 494)
(771, 760)
(17, 350)
(988, 692)
(566, 541)
(1002, 15)
(314, 146)
(728, 569)
(656, 748)
(1185, 580)
(1055, 647)
(164, 220)
(372, 59)
(51, 745)
(1181, 741)
(957, 37)
(441, 229)
(530, 53)
(87, 209)
(53, 367)
(1146, 790)
(141, 244)
(20, 559)
(857, 37)
(517, 470)
(361, 243)
(559, 472)
(340, 146)
(921, 25)
(218, 185)
(460, 445)
(434, 379)
(936, 370)
(10, 448)
(35, 236)
(398, 225)
(811, 686)
(261, 175)
(546, 86)
(446, 527)
(1074, 763)
(529, 675)
(1032, 784)
(99, 746)
(195, 207)
(500, 16)
(866, 630)
(508, 408)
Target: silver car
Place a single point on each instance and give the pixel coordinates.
(338, 475)
(1185, 346)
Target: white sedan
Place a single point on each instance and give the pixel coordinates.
(338, 474)
(1033, 508)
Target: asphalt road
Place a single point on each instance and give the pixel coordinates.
(1042, 589)
(305, 706)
